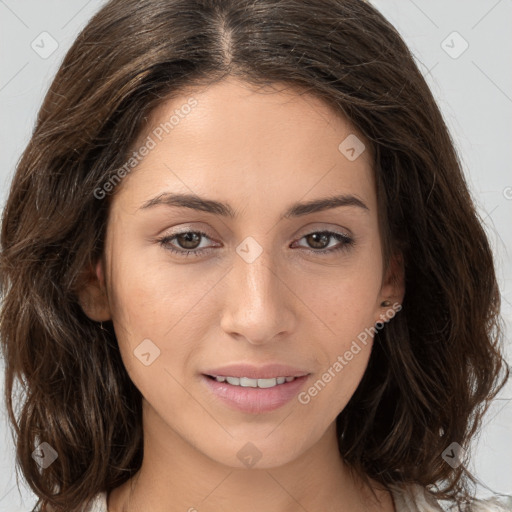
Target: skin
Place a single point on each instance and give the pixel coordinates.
(260, 152)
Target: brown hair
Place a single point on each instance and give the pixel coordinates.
(434, 367)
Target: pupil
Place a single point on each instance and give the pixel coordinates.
(187, 237)
(315, 237)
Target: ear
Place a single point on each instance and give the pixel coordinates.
(393, 285)
(93, 295)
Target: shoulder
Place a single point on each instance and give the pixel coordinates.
(415, 498)
(97, 504)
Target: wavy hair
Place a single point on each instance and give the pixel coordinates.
(434, 368)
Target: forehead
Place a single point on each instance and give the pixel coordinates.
(261, 145)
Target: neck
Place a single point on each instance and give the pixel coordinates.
(174, 476)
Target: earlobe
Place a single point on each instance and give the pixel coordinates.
(393, 287)
(93, 296)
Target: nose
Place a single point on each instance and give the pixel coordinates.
(260, 301)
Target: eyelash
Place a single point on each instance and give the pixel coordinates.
(347, 243)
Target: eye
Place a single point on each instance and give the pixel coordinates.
(189, 242)
(318, 239)
(186, 239)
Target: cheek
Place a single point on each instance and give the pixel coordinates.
(342, 355)
(346, 298)
(148, 295)
(346, 305)
(154, 301)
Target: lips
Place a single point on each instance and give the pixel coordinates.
(268, 371)
(252, 400)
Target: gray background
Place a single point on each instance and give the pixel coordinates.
(473, 87)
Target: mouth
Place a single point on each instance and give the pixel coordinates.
(247, 382)
(254, 396)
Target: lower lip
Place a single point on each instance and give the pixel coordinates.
(255, 400)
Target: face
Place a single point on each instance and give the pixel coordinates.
(267, 277)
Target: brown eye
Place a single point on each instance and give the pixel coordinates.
(186, 243)
(319, 241)
(188, 240)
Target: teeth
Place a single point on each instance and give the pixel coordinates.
(246, 382)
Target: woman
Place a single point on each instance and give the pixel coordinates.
(241, 269)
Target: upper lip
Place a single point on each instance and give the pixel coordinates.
(268, 371)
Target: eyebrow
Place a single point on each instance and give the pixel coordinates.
(298, 209)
